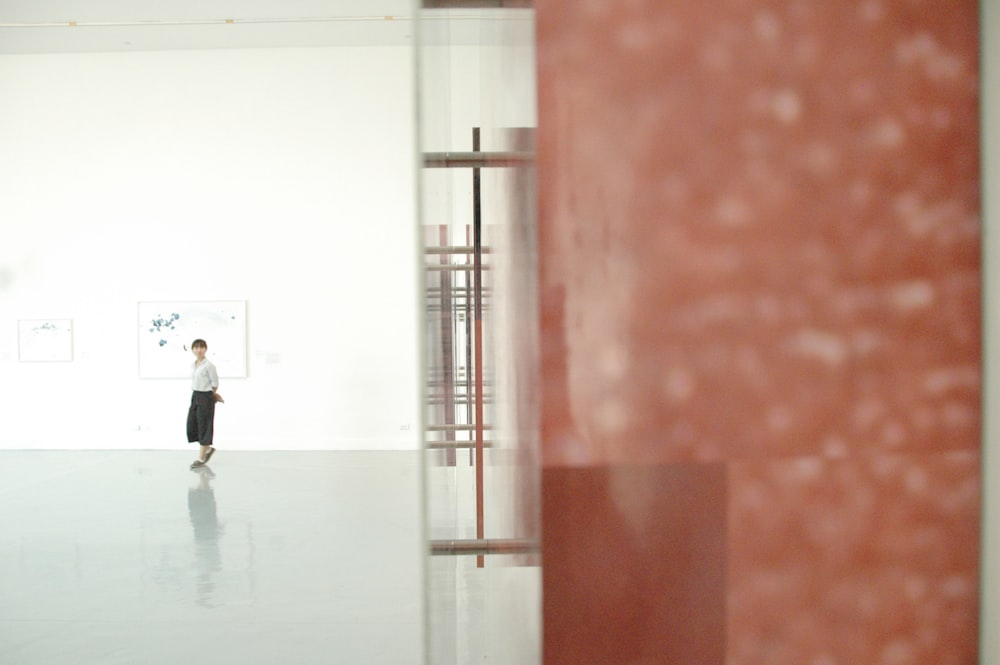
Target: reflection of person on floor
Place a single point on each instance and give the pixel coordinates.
(204, 395)
(208, 561)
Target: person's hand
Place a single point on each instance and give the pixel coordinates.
(218, 398)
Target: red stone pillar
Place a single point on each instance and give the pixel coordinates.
(760, 331)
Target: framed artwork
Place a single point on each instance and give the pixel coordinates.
(166, 330)
(44, 340)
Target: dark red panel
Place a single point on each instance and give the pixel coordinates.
(634, 562)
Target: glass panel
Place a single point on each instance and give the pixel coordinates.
(476, 119)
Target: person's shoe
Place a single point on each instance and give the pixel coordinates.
(208, 455)
(197, 463)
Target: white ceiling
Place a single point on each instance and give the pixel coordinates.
(68, 26)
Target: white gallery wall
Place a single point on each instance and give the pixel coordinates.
(280, 177)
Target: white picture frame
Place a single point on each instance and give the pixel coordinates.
(44, 340)
(167, 328)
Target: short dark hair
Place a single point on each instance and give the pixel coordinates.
(199, 342)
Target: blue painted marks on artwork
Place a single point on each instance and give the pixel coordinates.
(162, 324)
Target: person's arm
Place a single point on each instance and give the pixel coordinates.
(214, 376)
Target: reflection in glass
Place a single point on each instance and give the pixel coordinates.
(476, 135)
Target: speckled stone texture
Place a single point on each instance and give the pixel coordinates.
(759, 247)
(864, 560)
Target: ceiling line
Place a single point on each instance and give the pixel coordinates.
(250, 21)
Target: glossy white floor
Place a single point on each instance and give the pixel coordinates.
(276, 558)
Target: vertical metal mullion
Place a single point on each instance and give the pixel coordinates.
(470, 409)
(447, 346)
(477, 249)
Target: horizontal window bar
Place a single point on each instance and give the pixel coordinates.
(479, 546)
(449, 160)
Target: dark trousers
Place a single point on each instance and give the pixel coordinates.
(201, 417)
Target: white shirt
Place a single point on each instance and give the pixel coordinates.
(204, 378)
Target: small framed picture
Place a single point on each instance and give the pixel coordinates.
(44, 340)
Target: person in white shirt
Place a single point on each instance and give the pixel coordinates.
(204, 395)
